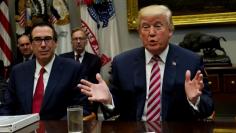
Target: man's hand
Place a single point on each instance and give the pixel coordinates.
(193, 88)
(96, 92)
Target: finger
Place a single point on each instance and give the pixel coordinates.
(92, 99)
(85, 92)
(200, 77)
(85, 82)
(99, 78)
(197, 76)
(84, 87)
(187, 76)
(201, 85)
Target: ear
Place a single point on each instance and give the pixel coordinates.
(171, 33)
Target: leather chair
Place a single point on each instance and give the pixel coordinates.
(90, 117)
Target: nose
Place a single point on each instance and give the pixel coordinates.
(25, 46)
(78, 40)
(43, 43)
(152, 31)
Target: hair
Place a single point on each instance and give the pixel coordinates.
(41, 24)
(78, 29)
(155, 10)
(24, 34)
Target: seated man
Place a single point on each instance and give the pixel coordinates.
(46, 84)
(157, 82)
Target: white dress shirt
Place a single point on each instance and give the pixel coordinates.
(81, 56)
(149, 65)
(46, 74)
(161, 63)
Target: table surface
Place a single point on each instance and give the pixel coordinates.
(136, 127)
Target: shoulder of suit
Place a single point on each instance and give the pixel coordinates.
(131, 53)
(66, 54)
(182, 51)
(24, 65)
(90, 55)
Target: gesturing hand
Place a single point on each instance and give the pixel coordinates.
(96, 92)
(193, 88)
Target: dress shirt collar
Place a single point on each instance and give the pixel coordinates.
(81, 55)
(163, 55)
(47, 67)
(29, 58)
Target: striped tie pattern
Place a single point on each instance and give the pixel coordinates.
(154, 95)
(154, 126)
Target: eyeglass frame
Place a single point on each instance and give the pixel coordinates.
(79, 38)
(39, 40)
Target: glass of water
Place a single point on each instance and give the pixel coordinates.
(75, 119)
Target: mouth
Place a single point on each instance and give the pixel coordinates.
(78, 48)
(45, 52)
(152, 42)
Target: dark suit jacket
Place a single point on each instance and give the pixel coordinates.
(128, 85)
(20, 59)
(60, 92)
(3, 86)
(91, 65)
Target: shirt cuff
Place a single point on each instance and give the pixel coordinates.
(110, 106)
(195, 107)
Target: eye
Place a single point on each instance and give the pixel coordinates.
(145, 26)
(37, 39)
(48, 38)
(158, 26)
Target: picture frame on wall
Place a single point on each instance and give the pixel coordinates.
(188, 13)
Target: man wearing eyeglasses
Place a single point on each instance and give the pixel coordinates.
(90, 63)
(46, 84)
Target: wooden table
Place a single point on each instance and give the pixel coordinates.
(137, 127)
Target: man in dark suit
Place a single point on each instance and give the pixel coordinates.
(183, 93)
(90, 63)
(48, 76)
(25, 48)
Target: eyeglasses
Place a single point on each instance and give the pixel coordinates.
(78, 38)
(39, 40)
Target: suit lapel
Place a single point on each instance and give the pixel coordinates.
(168, 80)
(71, 55)
(140, 81)
(53, 80)
(29, 85)
(85, 60)
(86, 56)
(170, 69)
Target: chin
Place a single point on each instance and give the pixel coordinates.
(154, 51)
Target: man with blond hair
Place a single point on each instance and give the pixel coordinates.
(157, 82)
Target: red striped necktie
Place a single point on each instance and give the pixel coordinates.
(39, 92)
(153, 126)
(154, 95)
